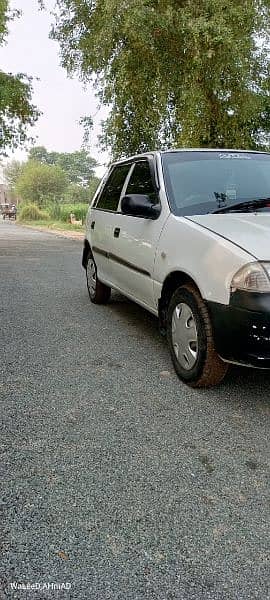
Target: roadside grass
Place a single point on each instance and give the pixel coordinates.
(53, 224)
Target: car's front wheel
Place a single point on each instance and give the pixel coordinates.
(190, 338)
(99, 292)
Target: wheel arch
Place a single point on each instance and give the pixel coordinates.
(86, 252)
(170, 284)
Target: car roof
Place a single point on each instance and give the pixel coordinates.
(213, 150)
(176, 150)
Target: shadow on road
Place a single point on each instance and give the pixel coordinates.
(133, 314)
(255, 382)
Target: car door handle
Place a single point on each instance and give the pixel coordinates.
(116, 232)
(93, 225)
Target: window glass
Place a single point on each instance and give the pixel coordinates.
(110, 196)
(201, 182)
(141, 181)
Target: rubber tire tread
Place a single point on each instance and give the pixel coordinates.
(103, 292)
(210, 369)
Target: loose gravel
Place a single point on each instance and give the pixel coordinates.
(117, 480)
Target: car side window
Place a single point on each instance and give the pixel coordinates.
(141, 181)
(110, 195)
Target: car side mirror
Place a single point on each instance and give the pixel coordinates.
(140, 205)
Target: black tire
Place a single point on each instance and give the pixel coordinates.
(208, 369)
(99, 293)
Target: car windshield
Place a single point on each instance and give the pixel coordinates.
(198, 183)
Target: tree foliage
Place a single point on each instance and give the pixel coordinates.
(174, 72)
(79, 166)
(93, 185)
(53, 177)
(40, 183)
(77, 194)
(17, 112)
(3, 19)
(81, 195)
(12, 172)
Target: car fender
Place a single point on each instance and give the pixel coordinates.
(205, 257)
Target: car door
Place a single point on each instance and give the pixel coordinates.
(102, 220)
(135, 246)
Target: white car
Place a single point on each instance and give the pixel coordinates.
(186, 234)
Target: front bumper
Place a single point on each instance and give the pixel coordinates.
(242, 329)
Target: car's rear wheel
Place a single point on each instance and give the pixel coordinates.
(190, 339)
(99, 292)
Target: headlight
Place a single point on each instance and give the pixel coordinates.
(254, 277)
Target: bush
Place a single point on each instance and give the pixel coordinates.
(66, 209)
(54, 210)
(79, 210)
(31, 212)
(61, 212)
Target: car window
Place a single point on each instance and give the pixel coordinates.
(110, 195)
(141, 181)
(202, 182)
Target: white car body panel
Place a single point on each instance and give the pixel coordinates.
(208, 259)
(137, 245)
(251, 231)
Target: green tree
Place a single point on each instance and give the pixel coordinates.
(12, 172)
(174, 72)
(77, 194)
(79, 166)
(40, 154)
(93, 185)
(41, 183)
(17, 112)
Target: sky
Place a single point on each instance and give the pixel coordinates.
(62, 100)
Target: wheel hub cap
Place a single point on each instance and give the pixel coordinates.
(184, 336)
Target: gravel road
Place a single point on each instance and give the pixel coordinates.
(117, 480)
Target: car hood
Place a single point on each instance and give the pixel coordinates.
(249, 231)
